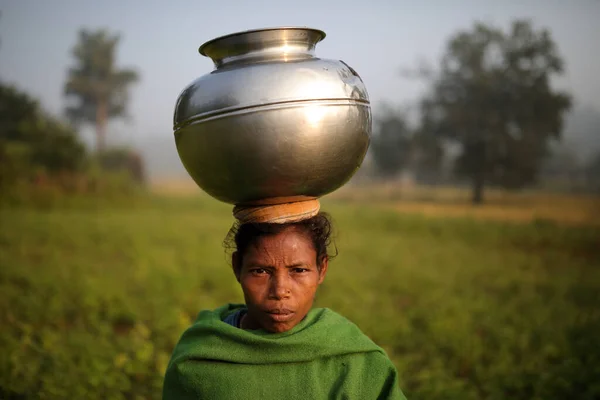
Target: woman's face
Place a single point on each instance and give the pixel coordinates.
(279, 277)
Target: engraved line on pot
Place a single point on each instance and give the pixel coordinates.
(265, 107)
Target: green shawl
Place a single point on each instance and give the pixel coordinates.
(324, 357)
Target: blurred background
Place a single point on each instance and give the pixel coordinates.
(469, 247)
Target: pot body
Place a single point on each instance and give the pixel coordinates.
(272, 122)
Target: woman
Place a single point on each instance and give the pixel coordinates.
(276, 346)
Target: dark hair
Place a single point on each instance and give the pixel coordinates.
(318, 228)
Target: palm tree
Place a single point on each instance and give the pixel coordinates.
(99, 90)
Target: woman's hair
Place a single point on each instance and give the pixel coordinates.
(318, 228)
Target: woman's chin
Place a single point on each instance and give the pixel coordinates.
(278, 327)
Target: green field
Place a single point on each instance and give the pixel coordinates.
(93, 298)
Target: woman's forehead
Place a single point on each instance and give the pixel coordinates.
(286, 234)
(289, 242)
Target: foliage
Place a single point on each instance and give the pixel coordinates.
(33, 142)
(122, 159)
(396, 146)
(390, 143)
(43, 162)
(93, 301)
(592, 171)
(99, 89)
(428, 157)
(492, 96)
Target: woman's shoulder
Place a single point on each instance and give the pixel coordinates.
(219, 313)
(324, 340)
(330, 320)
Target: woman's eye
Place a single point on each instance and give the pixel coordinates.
(259, 271)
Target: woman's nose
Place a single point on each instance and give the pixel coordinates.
(280, 286)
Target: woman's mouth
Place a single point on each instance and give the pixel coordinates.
(280, 315)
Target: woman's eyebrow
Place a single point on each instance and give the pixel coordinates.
(296, 265)
(259, 265)
(269, 266)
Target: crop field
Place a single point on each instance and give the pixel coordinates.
(497, 302)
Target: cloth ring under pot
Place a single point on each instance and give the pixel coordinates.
(277, 213)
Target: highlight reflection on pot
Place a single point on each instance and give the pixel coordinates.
(314, 115)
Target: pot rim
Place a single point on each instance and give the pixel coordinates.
(202, 48)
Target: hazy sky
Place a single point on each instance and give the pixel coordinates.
(377, 38)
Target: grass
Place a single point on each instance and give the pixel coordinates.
(453, 202)
(93, 298)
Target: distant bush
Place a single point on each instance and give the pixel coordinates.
(32, 141)
(91, 187)
(42, 160)
(125, 160)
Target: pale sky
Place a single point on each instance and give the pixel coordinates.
(377, 38)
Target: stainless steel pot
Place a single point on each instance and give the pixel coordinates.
(272, 122)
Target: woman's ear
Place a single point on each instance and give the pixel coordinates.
(236, 264)
(324, 264)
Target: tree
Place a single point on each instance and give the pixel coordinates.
(428, 153)
(98, 87)
(492, 96)
(390, 144)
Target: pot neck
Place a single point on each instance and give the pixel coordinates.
(275, 44)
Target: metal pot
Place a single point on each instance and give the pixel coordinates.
(272, 122)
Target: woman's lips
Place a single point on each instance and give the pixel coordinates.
(280, 315)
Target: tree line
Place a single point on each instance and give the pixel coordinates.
(491, 98)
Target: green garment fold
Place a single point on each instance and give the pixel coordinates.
(324, 357)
